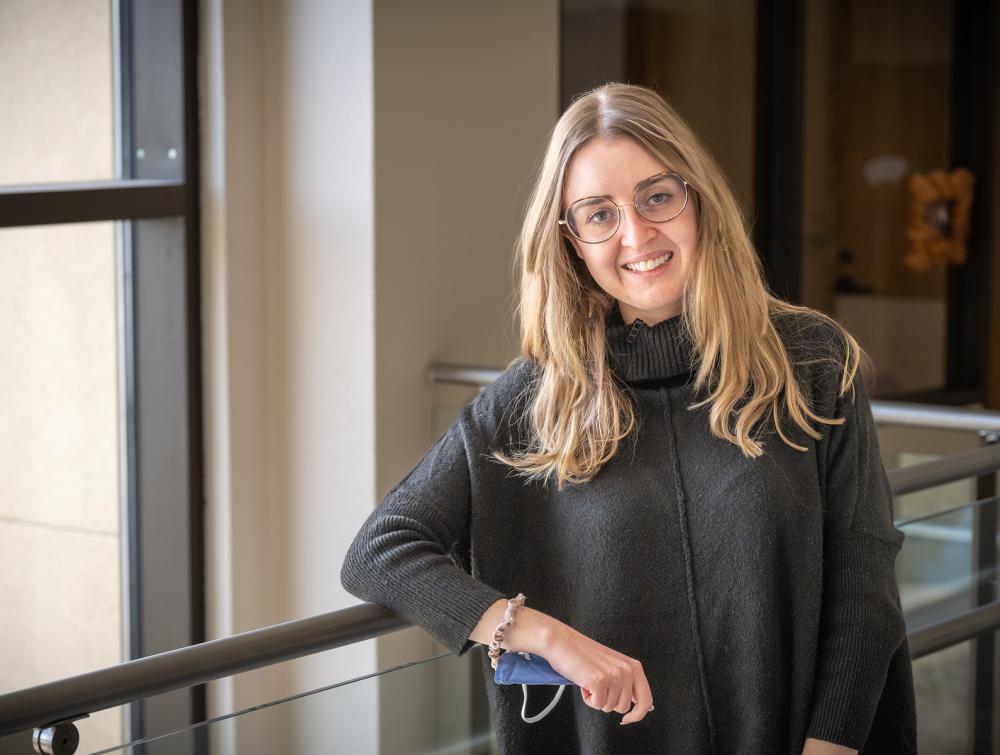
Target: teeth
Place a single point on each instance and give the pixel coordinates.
(647, 265)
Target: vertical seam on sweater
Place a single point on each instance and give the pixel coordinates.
(689, 569)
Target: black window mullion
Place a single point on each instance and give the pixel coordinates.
(193, 308)
(85, 202)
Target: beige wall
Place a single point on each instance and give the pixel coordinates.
(465, 94)
(322, 312)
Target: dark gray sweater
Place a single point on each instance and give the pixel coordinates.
(759, 594)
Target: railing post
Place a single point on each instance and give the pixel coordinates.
(984, 563)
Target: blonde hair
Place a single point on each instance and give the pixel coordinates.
(578, 414)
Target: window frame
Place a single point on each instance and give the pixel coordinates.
(165, 517)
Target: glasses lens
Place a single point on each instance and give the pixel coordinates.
(593, 219)
(663, 200)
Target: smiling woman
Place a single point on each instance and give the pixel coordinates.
(619, 502)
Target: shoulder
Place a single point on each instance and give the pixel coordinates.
(821, 353)
(521, 373)
(501, 405)
(809, 333)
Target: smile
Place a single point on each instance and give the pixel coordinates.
(647, 265)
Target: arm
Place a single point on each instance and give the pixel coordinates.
(861, 624)
(408, 557)
(412, 553)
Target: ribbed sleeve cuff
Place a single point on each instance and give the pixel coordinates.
(862, 628)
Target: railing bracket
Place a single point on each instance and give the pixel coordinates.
(58, 737)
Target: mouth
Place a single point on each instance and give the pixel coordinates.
(650, 265)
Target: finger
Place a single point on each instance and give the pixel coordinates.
(643, 702)
(611, 699)
(593, 697)
(624, 700)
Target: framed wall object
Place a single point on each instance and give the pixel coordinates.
(937, 218)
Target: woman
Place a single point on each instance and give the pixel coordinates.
(648, 474)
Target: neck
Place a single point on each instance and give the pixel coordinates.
(652, 319)
(638, 351)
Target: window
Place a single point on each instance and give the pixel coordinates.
(100, 498)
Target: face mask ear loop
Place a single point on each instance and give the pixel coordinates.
(545, 712)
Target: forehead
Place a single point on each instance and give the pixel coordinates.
(608, 167)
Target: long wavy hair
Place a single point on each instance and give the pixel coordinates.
(578, 414)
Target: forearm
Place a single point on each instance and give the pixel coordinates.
(531, 632)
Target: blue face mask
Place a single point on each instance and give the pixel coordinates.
(525, 669)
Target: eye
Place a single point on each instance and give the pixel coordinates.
(599, 218)
(660, 197)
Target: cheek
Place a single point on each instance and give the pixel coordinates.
(604, 267)
(585, 264)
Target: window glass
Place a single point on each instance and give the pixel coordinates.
(878, 111)
(60, 535)
(56, 91)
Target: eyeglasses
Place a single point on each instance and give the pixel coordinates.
(657, 199)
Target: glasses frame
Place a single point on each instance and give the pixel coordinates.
(563, 221)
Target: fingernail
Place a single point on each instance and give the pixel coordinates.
(651, 707)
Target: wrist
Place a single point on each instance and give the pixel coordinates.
(532, 632)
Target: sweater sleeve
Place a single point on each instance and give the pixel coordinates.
(412, 554)
(861, 622)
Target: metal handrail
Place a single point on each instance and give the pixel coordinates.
(885, 412)
(133, 680)
(184, 667)
(952, 631)
(957, 466)
(931, 416)
(462, 374)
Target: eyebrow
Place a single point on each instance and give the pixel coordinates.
(651, 180)
(641, 185)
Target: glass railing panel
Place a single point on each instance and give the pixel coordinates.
(943, 688)
(935, 568)
(364, 715)
(907, 446)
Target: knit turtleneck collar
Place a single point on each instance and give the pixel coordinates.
(639, 352)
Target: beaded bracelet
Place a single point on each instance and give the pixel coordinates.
(508, 618)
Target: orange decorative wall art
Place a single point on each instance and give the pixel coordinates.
(937, 218)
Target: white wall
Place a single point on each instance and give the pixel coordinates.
(322, 312)
(289, 332)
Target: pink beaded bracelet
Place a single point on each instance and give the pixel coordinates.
(508, 618)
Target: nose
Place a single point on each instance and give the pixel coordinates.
(636, 230)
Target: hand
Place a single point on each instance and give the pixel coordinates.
(821, 747)
(608, 680)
